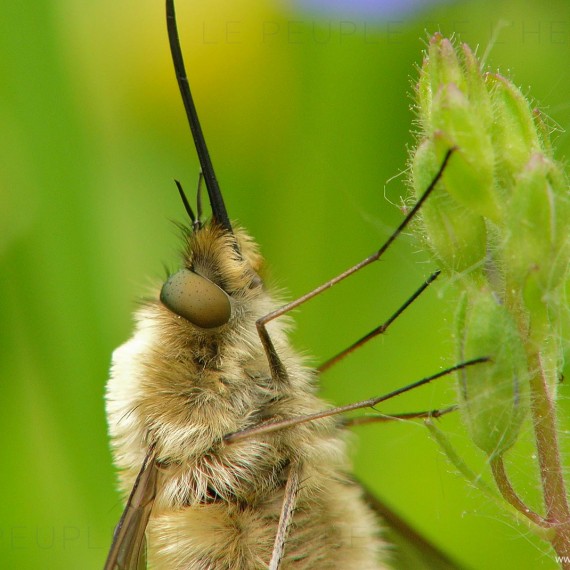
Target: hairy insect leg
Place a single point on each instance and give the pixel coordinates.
(277, 369)
(381, 329)
(382, 418)
(370, 403)
(128, 551)
(287, 510)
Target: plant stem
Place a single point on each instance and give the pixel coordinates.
(553, 486)
(510, 495)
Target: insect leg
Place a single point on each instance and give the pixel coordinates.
(287, 510)
(370, 403)
(277, 369)
(381, 418)
(381, 329)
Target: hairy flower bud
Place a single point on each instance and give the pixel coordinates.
(493, 397)
(498, 225)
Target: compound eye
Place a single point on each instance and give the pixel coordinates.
(197, 299)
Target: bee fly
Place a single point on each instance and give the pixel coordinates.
(231, 460)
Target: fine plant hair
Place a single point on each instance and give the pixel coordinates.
(499, 232)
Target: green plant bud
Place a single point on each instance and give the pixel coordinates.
(456, 235)
(424, 96)
(498, 222)
(536, 231)
(494, 395)
(514, 132)
(454, 104)
(477, 91)
(445, 66)
(440, 67)
(469, 175)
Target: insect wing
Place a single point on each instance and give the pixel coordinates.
(411, 550)
(128, 551)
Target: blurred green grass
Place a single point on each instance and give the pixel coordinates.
(307, 119)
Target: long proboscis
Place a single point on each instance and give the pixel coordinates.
(219, 212)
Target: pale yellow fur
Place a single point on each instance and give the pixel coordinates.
(182, 389)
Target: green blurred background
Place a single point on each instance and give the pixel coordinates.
(308, 119)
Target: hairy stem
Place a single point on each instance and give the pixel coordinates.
(509, 494)
(553, 486)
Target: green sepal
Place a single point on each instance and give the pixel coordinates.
(456, 235)
(452, 99)
(514, 132)
(493, 396)
(477, 91)
(445, 66)
(537, 244)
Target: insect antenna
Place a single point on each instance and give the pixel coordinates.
(381, 329)
(219, 212)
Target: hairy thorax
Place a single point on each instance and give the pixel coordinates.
(178, 389)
